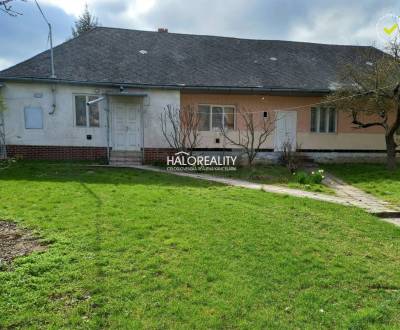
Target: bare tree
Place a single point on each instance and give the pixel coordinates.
(180, 127)
(370, 93)
(290, 157)
(252, 132)
(6, 7)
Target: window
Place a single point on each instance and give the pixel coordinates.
(33, 118)
(323, 120)
(86, 115)
(216, 117)
(204, 114)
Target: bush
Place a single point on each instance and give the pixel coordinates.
(289, 158)
(314, 177)
(302, 177)
(317, 177)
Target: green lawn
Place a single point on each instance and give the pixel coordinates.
(131, 249)
(272, 174)
(372, 178)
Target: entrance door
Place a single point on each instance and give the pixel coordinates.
(286, 129)
(126, 126)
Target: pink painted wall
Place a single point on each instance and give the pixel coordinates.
(270, 103)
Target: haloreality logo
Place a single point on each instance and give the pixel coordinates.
(185, 161)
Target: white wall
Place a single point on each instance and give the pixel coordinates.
(154, 105)
(59, 128)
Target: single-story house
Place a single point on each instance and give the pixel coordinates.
(133, 75)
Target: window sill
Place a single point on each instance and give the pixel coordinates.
(325, 133)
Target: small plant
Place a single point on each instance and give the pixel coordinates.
(315, 177)
(302, 177)
(5, 163)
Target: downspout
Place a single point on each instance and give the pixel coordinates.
(142, 127)
(99, 99)
(108, 129)
(53, 99)
(3, 145)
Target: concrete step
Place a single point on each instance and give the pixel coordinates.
(113, 163)
(126, 153)
(123, 159)
(126, 158)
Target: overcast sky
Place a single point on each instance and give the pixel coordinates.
(339, 21)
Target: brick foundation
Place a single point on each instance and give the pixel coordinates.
(152, 155)
(57, 152)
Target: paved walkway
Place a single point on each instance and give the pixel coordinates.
(367, 201)
(345, 194)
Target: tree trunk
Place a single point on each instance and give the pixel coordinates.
(250, 159)
(391, 152)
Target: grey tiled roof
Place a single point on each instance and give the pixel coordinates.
(120, 56)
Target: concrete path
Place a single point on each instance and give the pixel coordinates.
(346, 194)
(371, 204)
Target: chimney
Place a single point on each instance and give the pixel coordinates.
(162, 30)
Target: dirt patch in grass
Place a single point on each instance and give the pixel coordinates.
(16, 242)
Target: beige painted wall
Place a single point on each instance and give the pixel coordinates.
(347, 137)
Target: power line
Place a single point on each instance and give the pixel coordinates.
(309, 105)
(316, 104)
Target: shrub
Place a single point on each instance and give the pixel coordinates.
(317, 177)
(289, 158)
(302, 177)
(314, 177)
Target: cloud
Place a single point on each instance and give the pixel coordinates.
(340, 21)
(345, 22)
(27, 35)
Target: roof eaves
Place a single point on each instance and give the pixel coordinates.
(183, 87)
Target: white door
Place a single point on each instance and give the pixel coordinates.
(126, 126)
(286, 129)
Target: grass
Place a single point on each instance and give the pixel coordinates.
(272, 174)
(131, 249)
(372, 178)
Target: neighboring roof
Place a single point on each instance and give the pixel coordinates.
(130, 57)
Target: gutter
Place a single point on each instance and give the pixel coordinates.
(181, 87)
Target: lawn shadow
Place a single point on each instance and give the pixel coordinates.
(83, 173)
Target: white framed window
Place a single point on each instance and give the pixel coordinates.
(86, 115)
(216, 117)
(323, 120)
(33, 117)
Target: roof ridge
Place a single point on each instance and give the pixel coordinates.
(228, 37)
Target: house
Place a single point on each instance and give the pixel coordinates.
(111, 85)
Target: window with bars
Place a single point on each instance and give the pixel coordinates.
(323, 120)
